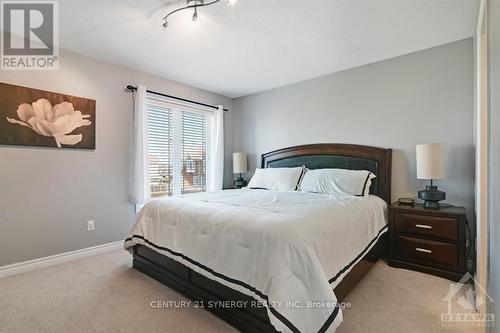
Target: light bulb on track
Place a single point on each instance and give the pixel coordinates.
(195, 15)
(192, 4)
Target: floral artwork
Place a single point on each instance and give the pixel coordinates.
(39, 118)
(57, 121)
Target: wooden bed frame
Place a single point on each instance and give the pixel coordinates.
(253, 319)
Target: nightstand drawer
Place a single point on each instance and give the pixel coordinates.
(430, 226)
(426, 252)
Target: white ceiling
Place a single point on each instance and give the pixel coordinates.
(256, 45)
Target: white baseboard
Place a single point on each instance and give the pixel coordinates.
(30, 265)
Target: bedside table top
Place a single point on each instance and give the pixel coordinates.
(445, 209)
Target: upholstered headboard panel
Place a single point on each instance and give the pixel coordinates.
(341, 156)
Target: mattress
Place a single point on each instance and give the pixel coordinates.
(286, 249)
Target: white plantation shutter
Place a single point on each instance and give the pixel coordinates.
(160, 150)
(177, 141)
(194, 152)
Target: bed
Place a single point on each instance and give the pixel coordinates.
(266, 261)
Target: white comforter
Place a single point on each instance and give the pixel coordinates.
(286, 249)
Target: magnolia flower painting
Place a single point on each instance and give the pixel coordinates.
(57, 121)
(39, 118)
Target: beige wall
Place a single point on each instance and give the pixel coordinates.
(421, 97)
(47, 195)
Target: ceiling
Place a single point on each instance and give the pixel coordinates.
(255, 45)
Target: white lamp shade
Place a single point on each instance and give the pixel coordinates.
(240, 162)
(430, 161)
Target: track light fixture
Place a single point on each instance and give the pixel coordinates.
(194, 4)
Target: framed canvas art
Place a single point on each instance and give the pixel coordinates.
(32, 117)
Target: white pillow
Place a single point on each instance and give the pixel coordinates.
(329, 181)
(277, 179)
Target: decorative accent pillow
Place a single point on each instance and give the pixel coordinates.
(329, 181)
(276, 179)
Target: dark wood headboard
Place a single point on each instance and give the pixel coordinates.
(341, 156)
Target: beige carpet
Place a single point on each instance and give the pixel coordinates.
(104, 294)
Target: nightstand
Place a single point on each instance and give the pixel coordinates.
(430, 241)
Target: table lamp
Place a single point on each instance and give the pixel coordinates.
(240, 166)
(430, 165)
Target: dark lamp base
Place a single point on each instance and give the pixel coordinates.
(240, 182)
(431, 196)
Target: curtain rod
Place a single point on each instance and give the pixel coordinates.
(132, 88)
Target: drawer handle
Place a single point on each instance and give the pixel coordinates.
(423, 226)
(423, 250)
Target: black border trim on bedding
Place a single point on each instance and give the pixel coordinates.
(302, 174)
(278, 315)
(364, 185)
(343, 270)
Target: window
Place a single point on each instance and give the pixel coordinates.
(177, 143)
(194, 152)
(160, 150)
